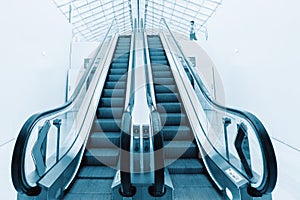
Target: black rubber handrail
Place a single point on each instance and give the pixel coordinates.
(127, 190)
(270, 164)
(17, 164)
(158, 188)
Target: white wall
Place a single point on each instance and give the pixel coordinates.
(255, 46)
(34, 49)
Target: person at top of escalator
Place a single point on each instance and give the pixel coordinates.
(192, 31)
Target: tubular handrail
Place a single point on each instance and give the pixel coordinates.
(157, 189)
(149, 79)
(127, 189)
(17, 167)
(270, 165)
(129, 100)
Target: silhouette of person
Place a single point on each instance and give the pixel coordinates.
(192, 31)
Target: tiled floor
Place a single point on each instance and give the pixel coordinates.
(287, 185)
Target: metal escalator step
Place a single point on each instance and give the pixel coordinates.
(112, 77)
(165, 88)
(121, 51)
(86, 188)
(162, 62)
(169, 119)
(107, 112)
(155, 46)
(177, 133)
(117, 65)
(118, 70)
(156, 57)
(167, 97)
(157, 53)
(112, 102)
(160, 68)
(121, 56)
(101, 157)
(180, 149)
(104, 140)
(107, 125)
(121, 59)
(164, 81)
(169, 107)
(115, 85)
(113, 93)
(83, 196)
(122, 47)
(185, 166)
(97, 172)
(163, 74)
(194, 186)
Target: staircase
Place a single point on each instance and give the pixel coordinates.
(181, 152)
(101, 157)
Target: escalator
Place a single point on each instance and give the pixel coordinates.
(181, 153)
(101, 157)
(175, 142)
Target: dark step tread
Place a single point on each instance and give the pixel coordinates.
(104, 139)
(110, 112)
(185, 166)
(91, 186)
(180, 149)
(177, 133)
(96, 172)
(99, 157)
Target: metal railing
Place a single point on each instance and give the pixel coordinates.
(226, 135)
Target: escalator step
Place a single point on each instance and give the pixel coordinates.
(155, 58)
(160, 68)
(169, 107)
(167, 97)
(118, 71)
(163, 74)
(112, 77)
(122, 51)
(157, 53)
(107, 125)
(90, 189)
(122, 66)
(165, 88)
(194, 186)
(161, 62)
(112, 102)
(182, 149)
(101, 156)
(164, 81)
(107, 112)
(185, 166)
(122, 59)
(115, 85)
(97, 172)
(121, 56)
(169, 119)
(114, 93)
(104, 139)
(177, 133)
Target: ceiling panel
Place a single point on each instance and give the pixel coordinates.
(91, 18)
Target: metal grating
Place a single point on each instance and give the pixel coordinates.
(91, 18)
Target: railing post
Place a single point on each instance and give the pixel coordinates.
(226, 122)
(57, 124)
